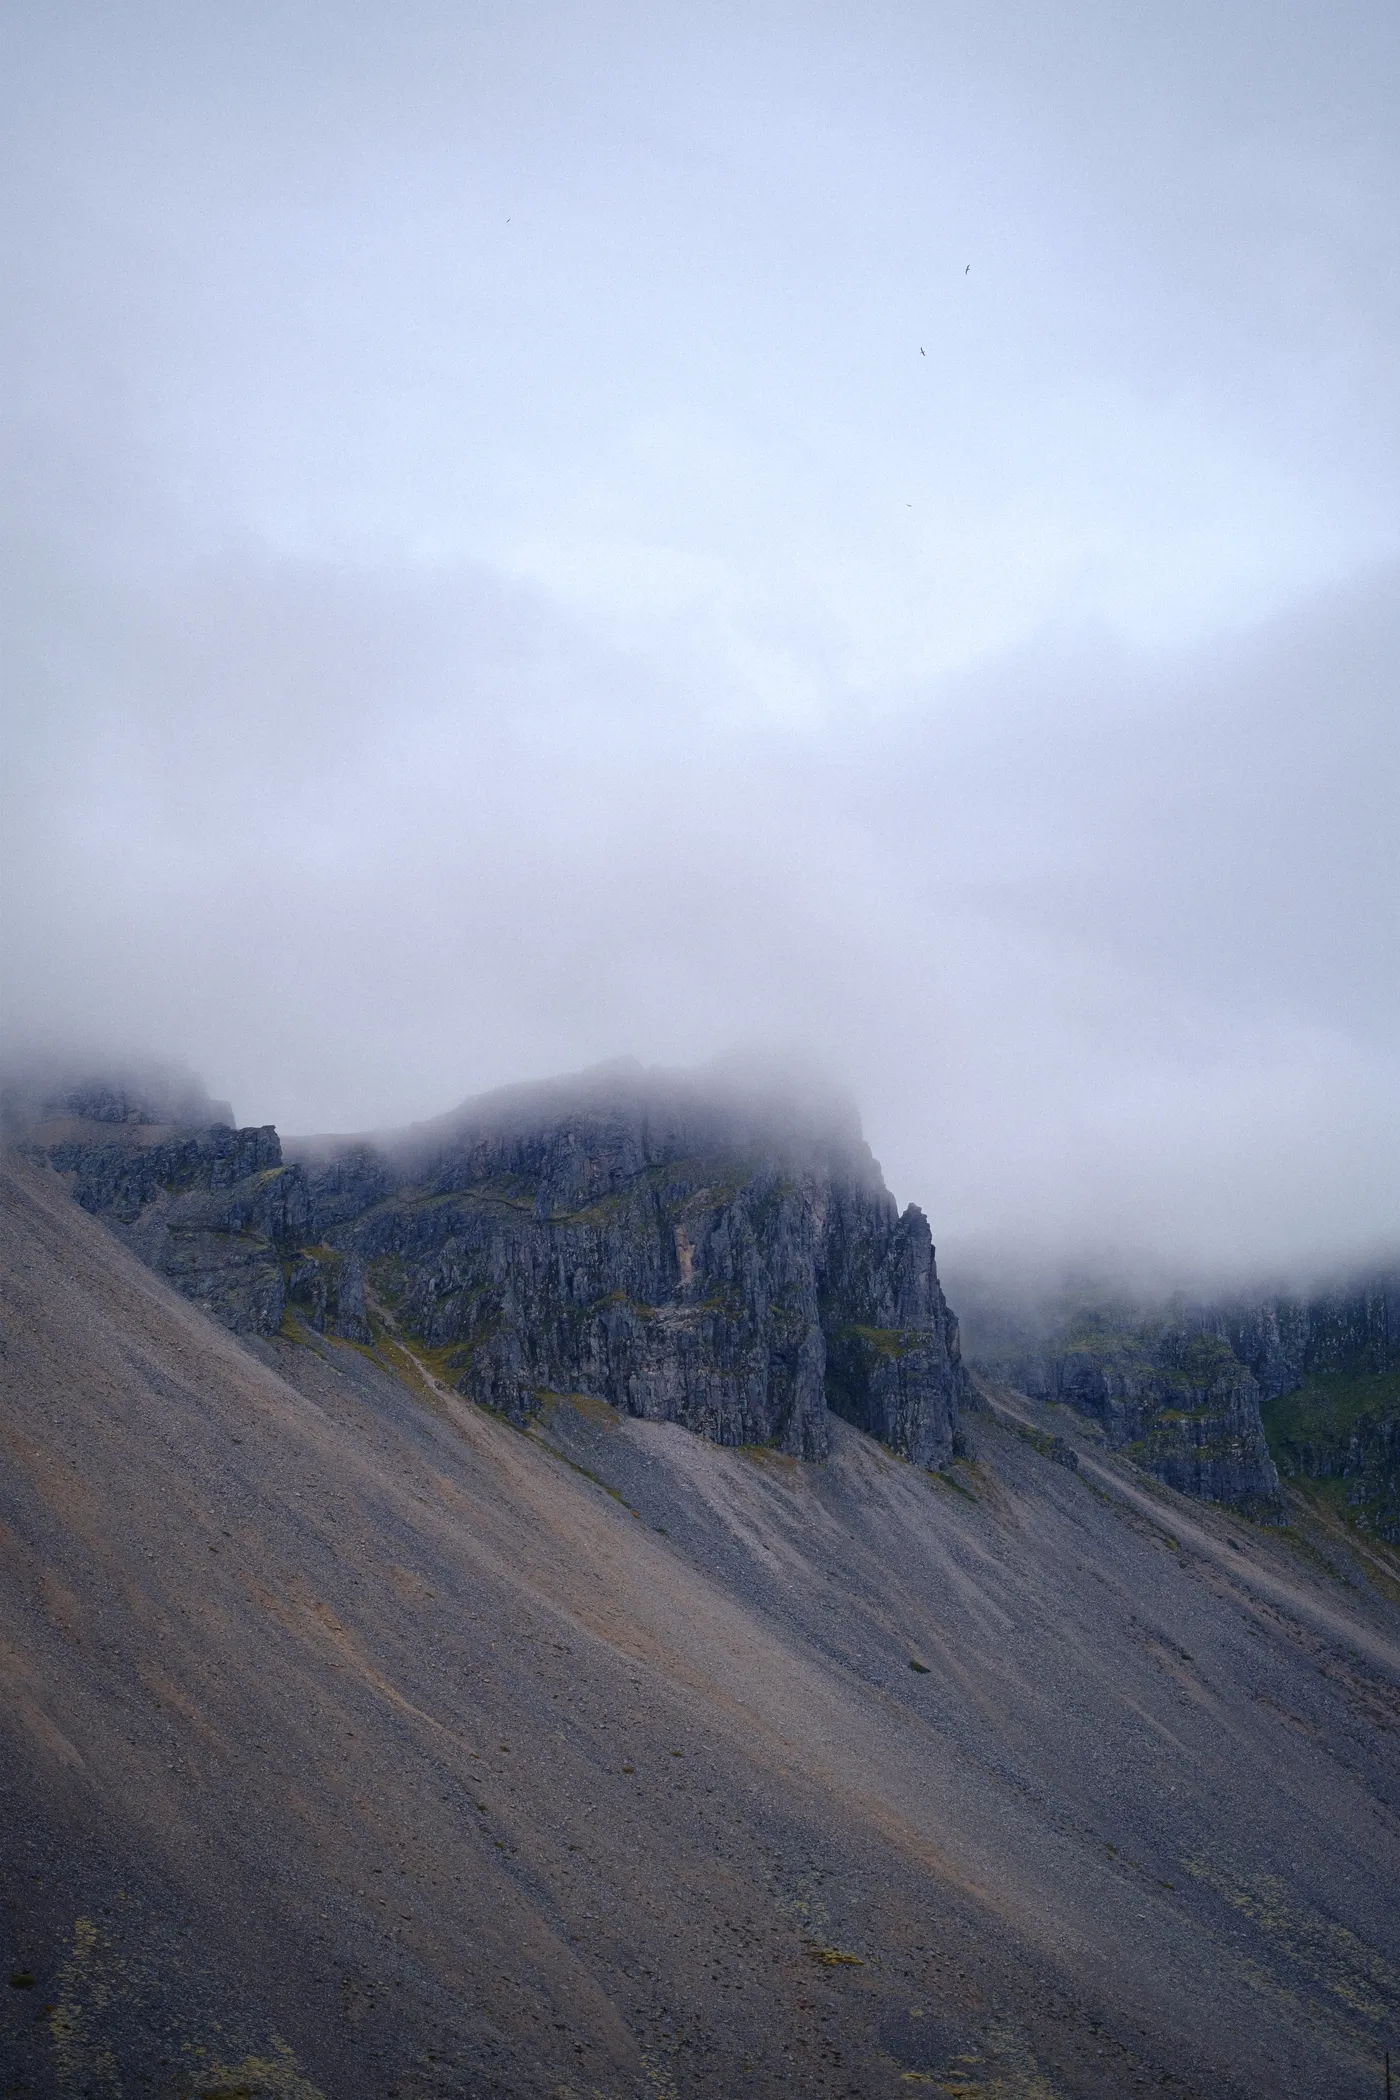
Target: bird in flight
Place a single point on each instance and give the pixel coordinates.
(921, 349)
(966, 269)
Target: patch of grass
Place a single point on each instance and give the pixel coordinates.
(601, 1413)
(1309, 1430)
(412, 1367)
(889, 1344)
(1040, 1440)
(944, 1478)
(769, 1455)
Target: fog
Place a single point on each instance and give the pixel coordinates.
(537, 535)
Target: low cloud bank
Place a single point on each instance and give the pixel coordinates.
(1102, 944)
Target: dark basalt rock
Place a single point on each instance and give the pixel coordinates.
(1335, 1415)
(1371, 1471)
(1176, 1399)
(1220, 1399)
(213, 1210)
(893, 1364)
(731, 1263)
(727, 1260)
(1352, 1331)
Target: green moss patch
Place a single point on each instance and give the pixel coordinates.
(1308, 1431)
(887, 1343)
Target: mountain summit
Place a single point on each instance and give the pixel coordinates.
(361, 1743)
(684, 1246)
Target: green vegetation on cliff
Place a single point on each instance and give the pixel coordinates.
(1344, 1428)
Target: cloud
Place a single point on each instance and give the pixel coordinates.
(447, 654)
(1098, 943)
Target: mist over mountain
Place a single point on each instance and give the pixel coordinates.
(717, 1248)
(535, 1603)
(531, 544)
(832, 577)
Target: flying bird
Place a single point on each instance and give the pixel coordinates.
(966, 268)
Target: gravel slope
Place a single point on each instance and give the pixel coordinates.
(355, 1743)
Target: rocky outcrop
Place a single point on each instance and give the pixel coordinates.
(1349, 1331)
(214, 1210)
(1175, 1398)
(729, 1260)
(893, 1364)
(1221, 1399)
(1371, 1471)
(1330, 1365)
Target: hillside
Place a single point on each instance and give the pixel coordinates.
(689, 1250)
(1221, 1398)
(359, 1742)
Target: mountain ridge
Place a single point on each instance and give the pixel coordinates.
(1220, 1396)
(358, 1741)
(682, 1246)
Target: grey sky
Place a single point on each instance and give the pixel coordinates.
(528, 541)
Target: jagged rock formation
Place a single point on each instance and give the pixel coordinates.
(1329, 1367)
(1371, 1471)
(726, 1260)
(1178, 1400)
(211, 1207)
(1352, 1331)
(1220, 1399)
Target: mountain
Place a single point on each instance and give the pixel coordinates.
(1219, 1398)
(725, 1258)
(359, 1740)
(1328, 1367)
(1174, 1397)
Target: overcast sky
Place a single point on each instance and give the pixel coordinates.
(539, 532)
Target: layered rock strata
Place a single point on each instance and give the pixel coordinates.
(1221, 1399)
(1179, 1402)
(730, 1261)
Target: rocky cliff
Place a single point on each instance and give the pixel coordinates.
(727, 1260)
(352, 1747)
(1349, 1330)
(1175, 1397)
(1219, 1399)
(147, 1150)
(1329, 1369)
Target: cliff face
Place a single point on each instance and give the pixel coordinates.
(727, 1265)
(1178, 1400)
(214, 1210)
(1330, 1368)
(732, 1265)
(1220, 1399)
(893, 1363)
(1349, 1332)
